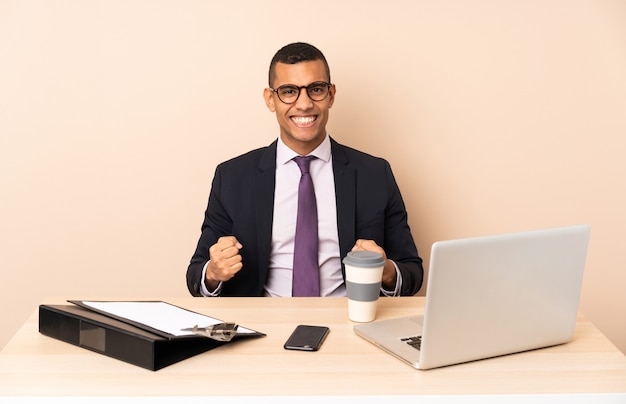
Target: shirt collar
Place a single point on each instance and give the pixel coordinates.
(284, 154)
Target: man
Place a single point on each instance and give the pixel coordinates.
(246, 247)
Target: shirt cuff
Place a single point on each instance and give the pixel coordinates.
(203, 289)
(397, 289)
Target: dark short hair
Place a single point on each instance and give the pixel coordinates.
(296, 53)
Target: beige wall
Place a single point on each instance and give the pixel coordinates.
(496, 116)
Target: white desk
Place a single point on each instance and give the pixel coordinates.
(33, 365)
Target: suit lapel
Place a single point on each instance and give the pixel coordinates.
(264, 182)
(345, 192)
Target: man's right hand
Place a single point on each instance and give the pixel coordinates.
(225, 261)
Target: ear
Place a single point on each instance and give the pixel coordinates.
(331, 96)
(268, 95)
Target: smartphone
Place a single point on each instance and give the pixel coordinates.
(307, 338)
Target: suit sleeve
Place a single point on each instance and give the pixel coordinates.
(216, 223)
(398, 241)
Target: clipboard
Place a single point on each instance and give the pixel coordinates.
(158, 317)
(124, 339)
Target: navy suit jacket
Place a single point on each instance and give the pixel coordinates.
(241, 203)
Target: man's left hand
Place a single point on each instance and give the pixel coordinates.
(389, 271)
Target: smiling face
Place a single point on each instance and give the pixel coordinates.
(303, 123)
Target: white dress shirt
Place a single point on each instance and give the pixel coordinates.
(284, 228)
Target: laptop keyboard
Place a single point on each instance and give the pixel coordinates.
(415, 342)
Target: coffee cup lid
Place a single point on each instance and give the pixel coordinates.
(367, 259)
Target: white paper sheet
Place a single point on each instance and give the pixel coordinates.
(161, 316)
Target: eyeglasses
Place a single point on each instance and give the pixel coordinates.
(289, 94)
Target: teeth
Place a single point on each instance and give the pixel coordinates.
(303, 120)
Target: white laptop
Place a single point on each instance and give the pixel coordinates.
(491, 296)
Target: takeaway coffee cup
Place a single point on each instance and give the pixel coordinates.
(364, 271)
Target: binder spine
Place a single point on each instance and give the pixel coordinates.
(97, 337)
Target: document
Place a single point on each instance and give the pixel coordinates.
(158, 315)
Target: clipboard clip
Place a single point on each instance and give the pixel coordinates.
(219, 332)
